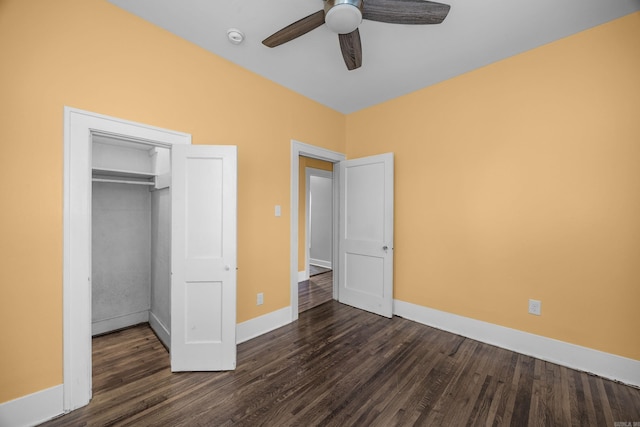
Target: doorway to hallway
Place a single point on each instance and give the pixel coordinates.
(316, 285)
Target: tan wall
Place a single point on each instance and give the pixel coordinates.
(305, 162)
(91, 55)
(522, 180)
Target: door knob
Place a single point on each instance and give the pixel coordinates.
(385, 247)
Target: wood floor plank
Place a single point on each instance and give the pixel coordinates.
(522, 404)
(606, 417)
(590, 402)
(315, 291)
(340, 366)
(565, 398)
(486, 403)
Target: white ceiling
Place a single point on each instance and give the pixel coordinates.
(397, 59)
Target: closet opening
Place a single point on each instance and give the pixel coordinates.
(130, 235)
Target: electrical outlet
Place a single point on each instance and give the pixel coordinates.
(260, 300)
(535, 307)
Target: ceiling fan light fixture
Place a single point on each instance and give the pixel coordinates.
(343, 16)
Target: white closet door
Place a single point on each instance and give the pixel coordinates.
(203, 258)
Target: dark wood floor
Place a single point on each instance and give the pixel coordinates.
(316, 269)
(339, 366)
(315, 291)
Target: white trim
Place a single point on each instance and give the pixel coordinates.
(262, 324)
(307, 223)
(303, 275)
(300, 149)
(79, 126)
(336, 229)
(107, 325)
(160, 330)
(573, 356)
(320, 263)
(32, 409)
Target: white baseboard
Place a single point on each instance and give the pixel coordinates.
(302, 276)
(161, 331)
(108, 325)
(320, 262)
(32, 409)
(573, 356)
(263, 324)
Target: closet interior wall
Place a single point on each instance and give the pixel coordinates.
(121, 254)
(160, 297)
(131, 242)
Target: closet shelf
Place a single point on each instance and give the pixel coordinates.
(120, 173)
(123, 181)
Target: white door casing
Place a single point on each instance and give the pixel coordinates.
(300, 149)
(203, 258)
(366, 234)
(79, 125)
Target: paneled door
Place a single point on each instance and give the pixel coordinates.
(203, 257)
(366, 234)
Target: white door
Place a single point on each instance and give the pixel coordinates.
(203, 258)
(365, 264)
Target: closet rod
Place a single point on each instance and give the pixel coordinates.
(121, 181)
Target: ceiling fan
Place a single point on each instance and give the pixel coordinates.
(344, 16)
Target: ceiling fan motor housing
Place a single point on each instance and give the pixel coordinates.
(343, 16)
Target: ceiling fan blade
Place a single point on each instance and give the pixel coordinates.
(298, 28)
(405, 11)
(351, 49)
